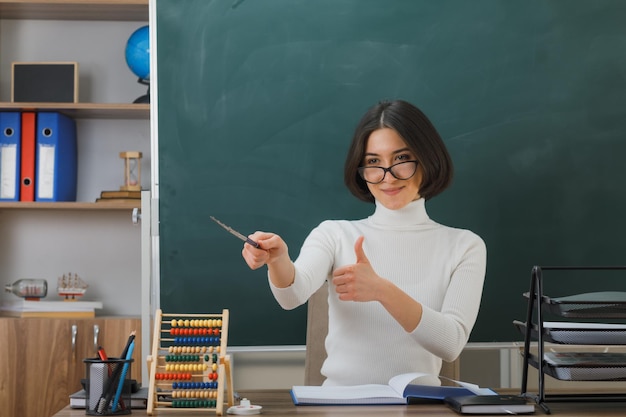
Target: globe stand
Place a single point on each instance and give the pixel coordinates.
(145, 99)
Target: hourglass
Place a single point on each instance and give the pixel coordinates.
(132, 171)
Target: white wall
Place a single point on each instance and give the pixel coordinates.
(97, 46)
(102, 247)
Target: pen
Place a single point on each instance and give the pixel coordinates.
(103, 357)
(107, 394)
(236, 233)
(130, 340)
(120, 384)
(102, 354)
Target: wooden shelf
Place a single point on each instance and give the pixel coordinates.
(87, 110)
(70, 205)
(48, 22)
(115, 10)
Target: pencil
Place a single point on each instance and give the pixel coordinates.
(120, 385)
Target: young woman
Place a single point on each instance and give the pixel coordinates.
(404, 290)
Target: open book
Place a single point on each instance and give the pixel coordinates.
(398, 391)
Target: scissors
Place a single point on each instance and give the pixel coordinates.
(236, 233)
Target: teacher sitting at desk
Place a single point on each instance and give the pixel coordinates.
(404, 290)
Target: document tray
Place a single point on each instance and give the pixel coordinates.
(607, 304)
(583, 366)
(569, 333)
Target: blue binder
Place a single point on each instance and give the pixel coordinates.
(56, 157)
(10, 145)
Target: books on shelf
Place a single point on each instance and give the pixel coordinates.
(118, 200)
(400, 390)
(490, 404)
(120, 194)
(120, 197)
(138, 399)
(28, 308)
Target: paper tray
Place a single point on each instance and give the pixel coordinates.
(579, 333)
(607, 304)
(580, 372)
(586, 374)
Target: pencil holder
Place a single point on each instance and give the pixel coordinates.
(108, 388)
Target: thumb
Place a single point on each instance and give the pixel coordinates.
(358, 250)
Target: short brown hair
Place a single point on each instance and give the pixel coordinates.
(420, 136)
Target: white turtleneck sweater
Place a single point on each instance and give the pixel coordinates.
(441, 267)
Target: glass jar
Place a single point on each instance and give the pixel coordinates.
(30, 289)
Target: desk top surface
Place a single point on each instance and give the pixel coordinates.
(278, 403)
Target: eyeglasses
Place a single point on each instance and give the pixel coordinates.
(400, 171)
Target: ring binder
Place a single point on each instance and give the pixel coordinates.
(10, 150)
(56, 158)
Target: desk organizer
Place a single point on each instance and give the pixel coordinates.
(189, 369)
(108, 386)
(579, 363)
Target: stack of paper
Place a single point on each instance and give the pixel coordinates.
(29, 308)
(139, 399)
(120, 197)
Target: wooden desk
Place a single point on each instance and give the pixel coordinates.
(277, 403)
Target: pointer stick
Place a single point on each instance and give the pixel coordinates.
(236, 233)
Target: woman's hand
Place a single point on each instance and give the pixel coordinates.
(271, 247)
(274, 253)
(359, 281)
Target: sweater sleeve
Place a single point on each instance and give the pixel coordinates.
(445, 333)
(312, 267)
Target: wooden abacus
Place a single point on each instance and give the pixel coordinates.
(189, 368)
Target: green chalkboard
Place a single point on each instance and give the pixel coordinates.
(257, 101)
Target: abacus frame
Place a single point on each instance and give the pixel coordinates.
(157, 360)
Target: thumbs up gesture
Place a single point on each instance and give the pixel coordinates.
(358, 281)
(361, 258)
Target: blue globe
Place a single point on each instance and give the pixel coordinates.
(138, 53)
